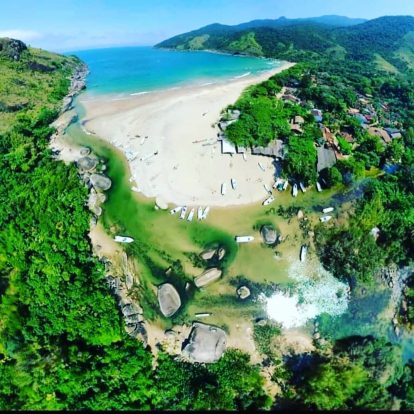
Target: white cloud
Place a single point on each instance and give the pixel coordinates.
(24, 35)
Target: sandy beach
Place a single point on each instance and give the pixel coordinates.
(180, 161)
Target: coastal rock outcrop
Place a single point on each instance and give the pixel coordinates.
(269, 234)
(168, 299)
(207, 277)
(100, 182)
(205, 344)
(11, 48)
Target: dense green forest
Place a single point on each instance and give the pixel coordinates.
(62, 340)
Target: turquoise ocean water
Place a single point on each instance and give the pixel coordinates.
(135, 70)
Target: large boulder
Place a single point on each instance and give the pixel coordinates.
(87, 163)
(207, 277)
(243, 292)
(100, 182)
(11, 48)
(269, 234)
(208, 254)
(169, 299)
(205, 344)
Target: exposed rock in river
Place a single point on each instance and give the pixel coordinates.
(205, 344)
(269, 234)
(87, 163)
(100, 182)
(169, 299)
(208, 277)
(208, 254)
(243, 292)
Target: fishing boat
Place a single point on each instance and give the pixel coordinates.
(328, 210)
(191, 215)
(176, 210)
(302, 187)
(244, 239)
(200, 213)
(123, 239)
(268, 201)
(285, 185)
(266, 187)
(136, 189)
(303, 252)
(261, 166)
(324, 219)
(295, 190)
(233, 183)
(244, 156)
(318, 187)
(183, 211)
(223, 189)
(205, 212)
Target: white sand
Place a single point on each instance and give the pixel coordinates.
(183, 172)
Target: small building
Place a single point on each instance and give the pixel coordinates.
(275, 149)
(298, 120)
(347, 137)
(317, 114)
(353, 111)
(381, 133)
(227, 147)
(361, 119)
(393, 133)
(326, 158)
(241, 150)
(291, 98)
(296, 128)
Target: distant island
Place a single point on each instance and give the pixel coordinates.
(239, 244)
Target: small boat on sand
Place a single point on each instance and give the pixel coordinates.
(176, 210)
(295, 190)
(233, 183)
(318, 186)
(123, 239)
(191, 215)
(200, 213)
(183, 211)
(266, 187)
(223, 189)
(244, 239)
(328, 210)
(268, 201)
(136, 189)
(302, 187)
(324, 219)
(285, 185)
(303, 252)
(277, 183)
(261, 166)
(244, 156)
(205, 212)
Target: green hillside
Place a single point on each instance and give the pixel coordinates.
(387, 40)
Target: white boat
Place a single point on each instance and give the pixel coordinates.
(261, 166)
(295, 190)
(147, 157)
(191, 215)
(244, 156)
(200, 213)
(244, 239)
(302, 187)
(318, 186)
(324, 219)
(285, 185)
(328, 210)
(268, 201)
(223, 189)
(205, 212)
(136, 189)
(176, 210)
(183, 211)
(233, 183)
(123, 239)
(303, 252)
(277, 183)
(266, 187)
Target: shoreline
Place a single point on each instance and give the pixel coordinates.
(180, 161)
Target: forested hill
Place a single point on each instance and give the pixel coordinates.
(389, 41)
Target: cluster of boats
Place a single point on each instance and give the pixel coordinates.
(326, 217)
(233, 183)
(202, 213)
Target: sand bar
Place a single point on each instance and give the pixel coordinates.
(182, 172)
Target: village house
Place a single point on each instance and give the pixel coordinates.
(381, 133)
(275, 149)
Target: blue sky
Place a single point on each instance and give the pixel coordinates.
(78, 24)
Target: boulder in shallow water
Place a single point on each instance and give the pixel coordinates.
(86, 163)
(243, 292)
(168, 299)
(269, 234)
(205, 344)
(100, 182)
(208, 254)
(207, 277)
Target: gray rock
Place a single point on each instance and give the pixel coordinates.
(100, 182)
(205, 344)
(84, 151)
(221, 253)
(129, 309)
(243, 292)
(207, 277)
(208, 254)
(168, 299)
(269, 234)
(87, 163)
(261, 322)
